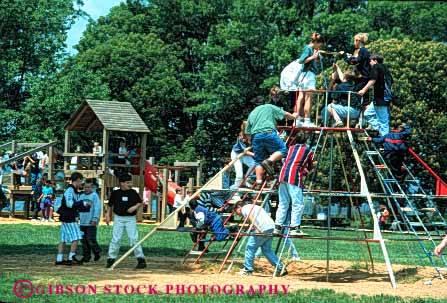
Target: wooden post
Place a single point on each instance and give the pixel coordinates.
(141, 173)
(50, 162)
(151, 195)
(199, 173)
(348, 120)
(191, 183)
(66, 148)
(13, 150)
(165, 195)
(105, 151)
(176, 174)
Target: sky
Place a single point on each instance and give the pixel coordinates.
(95, 8)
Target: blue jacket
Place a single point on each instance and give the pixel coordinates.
(395, 140)
(239, 146)
(209, 215)
(92, 214)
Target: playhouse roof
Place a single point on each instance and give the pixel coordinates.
(95, 115)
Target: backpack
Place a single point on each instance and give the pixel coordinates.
(388, 93)
(290, 75)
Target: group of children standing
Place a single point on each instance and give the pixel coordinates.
(80, 214)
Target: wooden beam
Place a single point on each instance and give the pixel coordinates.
(141, 173)
(66, 147)
(105, 148)
(78, 116)
(50, 162)
(164, 202)
(188, 164)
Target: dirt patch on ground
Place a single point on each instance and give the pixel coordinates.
(344, 276)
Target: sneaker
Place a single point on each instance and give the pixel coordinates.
(245, 272)
(34, 220)
(268, 166)
(248, 184)
(296, 232)
(75, 261)
(141, 263)
(277, 230)
(295, 259)
(96, 257)
(297, 123)
(68, 263)
(50, 220)
(309, 124)
(280, 272)
(110, 262)
(63, 262)
(338, 123)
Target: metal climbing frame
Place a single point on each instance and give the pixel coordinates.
(413, 217)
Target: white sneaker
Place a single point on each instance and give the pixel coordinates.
(308, 124)
(295, 259)
(297, 123)
(245, 272)
(50, 220)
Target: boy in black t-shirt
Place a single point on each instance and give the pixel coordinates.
(124, 203)
(377, 114)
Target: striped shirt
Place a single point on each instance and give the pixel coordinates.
(296, 165)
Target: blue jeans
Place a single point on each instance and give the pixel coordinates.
(378, 116)
(218, 228)
(238, 167)
(341, 110)
(266, 246)
(265, 144)
(289, 194)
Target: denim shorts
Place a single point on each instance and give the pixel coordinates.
(265, 144)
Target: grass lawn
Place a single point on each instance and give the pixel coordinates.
(21, 240)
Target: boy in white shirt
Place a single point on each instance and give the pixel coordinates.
(262, 223)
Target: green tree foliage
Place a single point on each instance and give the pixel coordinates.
(32, 38)
(419, 71)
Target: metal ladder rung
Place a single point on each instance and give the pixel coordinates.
(416, 223)
(407, 209)
(389, 181)
(412, 180)
(372, 152)
(199, 252)
(381, 166)
(427, 209)
(438, 223)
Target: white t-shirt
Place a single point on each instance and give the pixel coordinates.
(122, 151)
(178, 200)
(263, 222)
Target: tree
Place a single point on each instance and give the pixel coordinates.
(31, 45)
